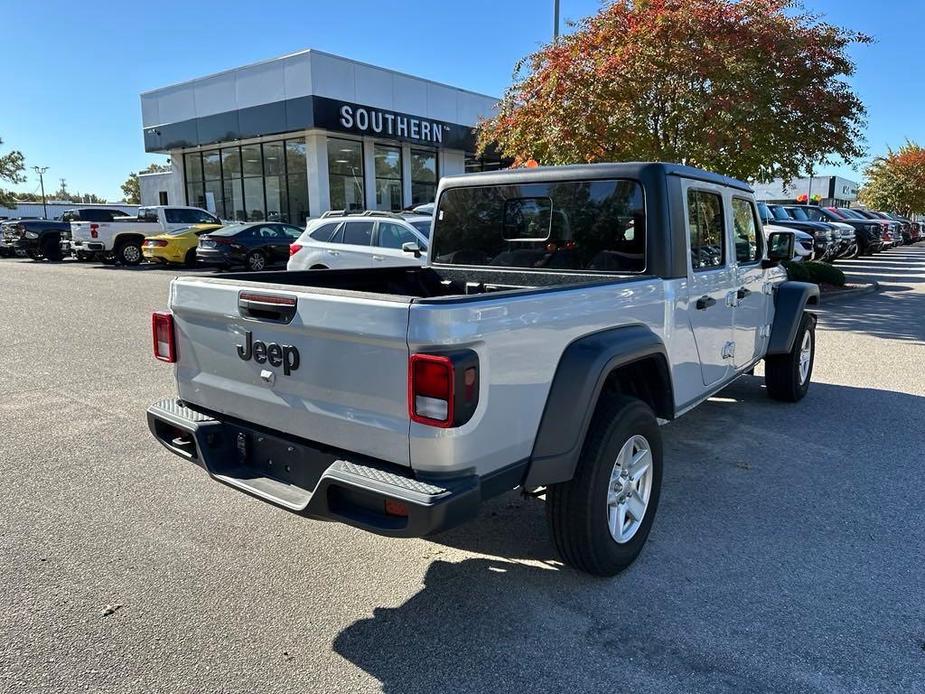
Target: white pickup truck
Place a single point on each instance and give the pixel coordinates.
(120, 241)
(562, 314)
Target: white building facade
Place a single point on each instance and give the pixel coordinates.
(829, 191)
(293, 137)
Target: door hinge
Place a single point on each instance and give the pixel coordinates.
(729, 350)
(765, 331)
(768, 288)
(732, 299)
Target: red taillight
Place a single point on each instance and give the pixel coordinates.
(155, 242)
(393, 507)
(164, 344)
(94, 231)
(431, 390)
(294, 248)
(443, 389)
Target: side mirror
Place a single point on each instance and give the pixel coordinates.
(412, 247)
(780, 248)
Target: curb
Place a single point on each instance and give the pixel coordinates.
(849, 293)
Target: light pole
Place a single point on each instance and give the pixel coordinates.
(40, 170)
(555, 21)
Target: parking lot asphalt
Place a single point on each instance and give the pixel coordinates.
(788, 553)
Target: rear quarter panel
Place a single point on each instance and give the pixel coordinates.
(519, 341)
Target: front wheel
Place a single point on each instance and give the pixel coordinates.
(600, 519)
(787, 376)
(190, 259)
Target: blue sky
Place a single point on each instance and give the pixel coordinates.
(72, 72)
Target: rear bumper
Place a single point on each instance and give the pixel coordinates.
(318, 482)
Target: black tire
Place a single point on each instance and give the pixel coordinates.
(782, 374)
(129, 253)
(51, 249)
(318, 267)
(190, 259)
(577, 510)
(256, 261)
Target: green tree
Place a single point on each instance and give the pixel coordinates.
(11, 168)
(749, 88)
(131, 189)
(896, 182)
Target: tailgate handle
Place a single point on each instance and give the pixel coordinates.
(266, 307)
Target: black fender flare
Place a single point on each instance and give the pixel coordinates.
(580, 376)
(790, 302)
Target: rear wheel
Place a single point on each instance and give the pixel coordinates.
(787, 376)
(51, 249)
(600, 519)
(129, 253)
(255, 261)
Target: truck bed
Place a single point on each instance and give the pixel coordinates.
(422, 283)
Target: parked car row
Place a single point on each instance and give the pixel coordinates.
(843, 232)
(190, 236)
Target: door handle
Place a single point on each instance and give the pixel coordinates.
(743, 292)
(705, 302)
(333, 252)
(378, 257)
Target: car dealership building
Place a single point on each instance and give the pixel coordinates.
(293, 137)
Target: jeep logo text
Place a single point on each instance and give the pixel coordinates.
(271, 353)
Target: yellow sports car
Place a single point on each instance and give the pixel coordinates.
(177, 246)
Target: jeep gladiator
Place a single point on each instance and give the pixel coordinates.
(562, 315)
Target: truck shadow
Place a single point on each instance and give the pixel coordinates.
(896, 312)
(717, 582)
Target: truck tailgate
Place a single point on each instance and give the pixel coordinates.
(335, 373)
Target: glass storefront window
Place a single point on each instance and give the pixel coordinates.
(295, 157)
(423, 176)
(250, 183)
(297, 193)
(253, 199)
(214, 198)
(234, 199)
(231, 162)
(194, 194)
(273, 159)
(252, 160)
(388, 177)
(345, 173)
(212, 165)
(193, 167)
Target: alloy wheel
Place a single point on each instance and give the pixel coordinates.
(806, 355)
(630, 489)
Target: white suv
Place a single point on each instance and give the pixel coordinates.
(369, 239)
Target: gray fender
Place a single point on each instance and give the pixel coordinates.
(583, 368)
(790, 301)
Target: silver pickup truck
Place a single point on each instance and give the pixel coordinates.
(563, 313)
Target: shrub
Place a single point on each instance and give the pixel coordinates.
(817, 273)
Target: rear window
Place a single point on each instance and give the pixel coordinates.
(585, 226)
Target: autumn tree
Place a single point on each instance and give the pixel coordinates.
(131, 189)
(754, 89)
(11, 167)
(896, 182)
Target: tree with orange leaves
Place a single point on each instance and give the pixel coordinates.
(749, 88)
(896, 182)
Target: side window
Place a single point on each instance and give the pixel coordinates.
(705, 228)
(747, 239)
(148, 214)
(358, 233)
(291, 231)
(393, 235)
(173, 216)
(325, 231)
(270, 233)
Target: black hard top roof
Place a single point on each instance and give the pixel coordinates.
(632, 170)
